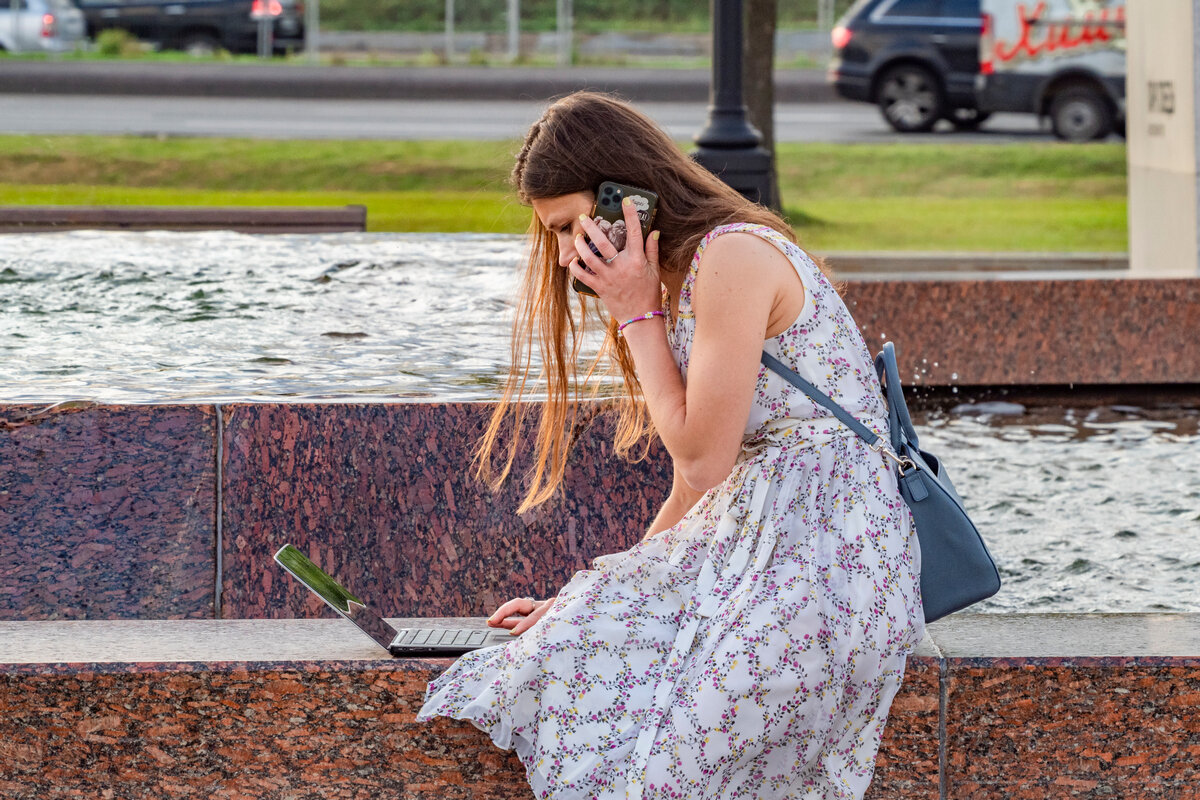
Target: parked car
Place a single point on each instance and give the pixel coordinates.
(41, 26)
(916, 59)
(200, 27)
(1060, 59)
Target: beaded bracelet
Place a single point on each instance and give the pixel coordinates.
(647, 315)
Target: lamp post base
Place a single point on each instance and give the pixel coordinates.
(746, 169)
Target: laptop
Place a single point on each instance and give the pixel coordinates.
(403, 642)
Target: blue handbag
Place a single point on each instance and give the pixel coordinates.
(956, 568)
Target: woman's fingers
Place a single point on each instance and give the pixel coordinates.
(503, 616)
(531, 619)
(577, 270)
(633, 227)
(652, 250)
(608, 250)
(528, 612)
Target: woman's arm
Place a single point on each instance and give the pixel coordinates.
(678, 503)
(742, 278)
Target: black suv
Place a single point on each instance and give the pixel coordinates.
(915, 59)
(200, 27)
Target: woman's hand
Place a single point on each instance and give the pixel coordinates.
(528, 612)
(628, 280)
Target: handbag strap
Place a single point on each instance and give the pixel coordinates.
(846, 418)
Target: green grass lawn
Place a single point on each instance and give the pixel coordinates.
(1045, 196)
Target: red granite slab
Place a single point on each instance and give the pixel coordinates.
(1034, 331)
(329, 730)
(1073, 727)
(382, 497)
(907, 765)
(107, 512)
(274, 709)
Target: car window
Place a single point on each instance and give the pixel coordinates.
(960, 9)
(913, 8)
(22, 5)
(57, 5)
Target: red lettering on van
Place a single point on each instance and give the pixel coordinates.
(1092, 29)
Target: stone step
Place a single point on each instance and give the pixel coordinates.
(993, 706)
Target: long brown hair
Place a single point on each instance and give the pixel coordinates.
(580, 141)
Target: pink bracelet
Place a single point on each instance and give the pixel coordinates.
(647, 315)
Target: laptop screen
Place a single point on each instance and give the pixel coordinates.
(333, 593)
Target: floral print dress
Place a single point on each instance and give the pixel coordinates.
(752, 650)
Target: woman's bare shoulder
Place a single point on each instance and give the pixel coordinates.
(741, 255)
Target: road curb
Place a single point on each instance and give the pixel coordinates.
(379, 83)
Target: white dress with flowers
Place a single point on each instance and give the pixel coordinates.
(753, 649)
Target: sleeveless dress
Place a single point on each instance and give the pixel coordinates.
(752, 650)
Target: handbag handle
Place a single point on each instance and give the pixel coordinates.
(889, 376)
(846, 418)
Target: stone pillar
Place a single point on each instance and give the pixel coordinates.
(1163, 59)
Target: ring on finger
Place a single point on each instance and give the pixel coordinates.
(610, 260)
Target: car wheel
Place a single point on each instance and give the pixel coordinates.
(200, 45)
(1080, 114)
(910, 98)
(968, 119)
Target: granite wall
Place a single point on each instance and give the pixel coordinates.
(382, 496)
(108, 512)
(169, 511)
(1026, 330)
(993, 707)
(112, 512)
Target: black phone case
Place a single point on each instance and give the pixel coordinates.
(608, 210)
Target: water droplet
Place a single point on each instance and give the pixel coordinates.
(953, 376)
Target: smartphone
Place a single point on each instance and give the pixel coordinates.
(609, 215)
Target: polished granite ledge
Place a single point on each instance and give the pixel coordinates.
(173, 511)
(1034, 330)
(168, 512)
(1002, 639)
(993, 706)
(107, 512)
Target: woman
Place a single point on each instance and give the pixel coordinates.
(751, 644)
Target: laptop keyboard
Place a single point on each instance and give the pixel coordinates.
(441, 637)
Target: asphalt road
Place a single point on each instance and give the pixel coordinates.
(280, 118)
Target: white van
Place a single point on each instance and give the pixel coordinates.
(41, 26)
(1062, 59)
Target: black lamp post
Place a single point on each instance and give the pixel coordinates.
(729, 146)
